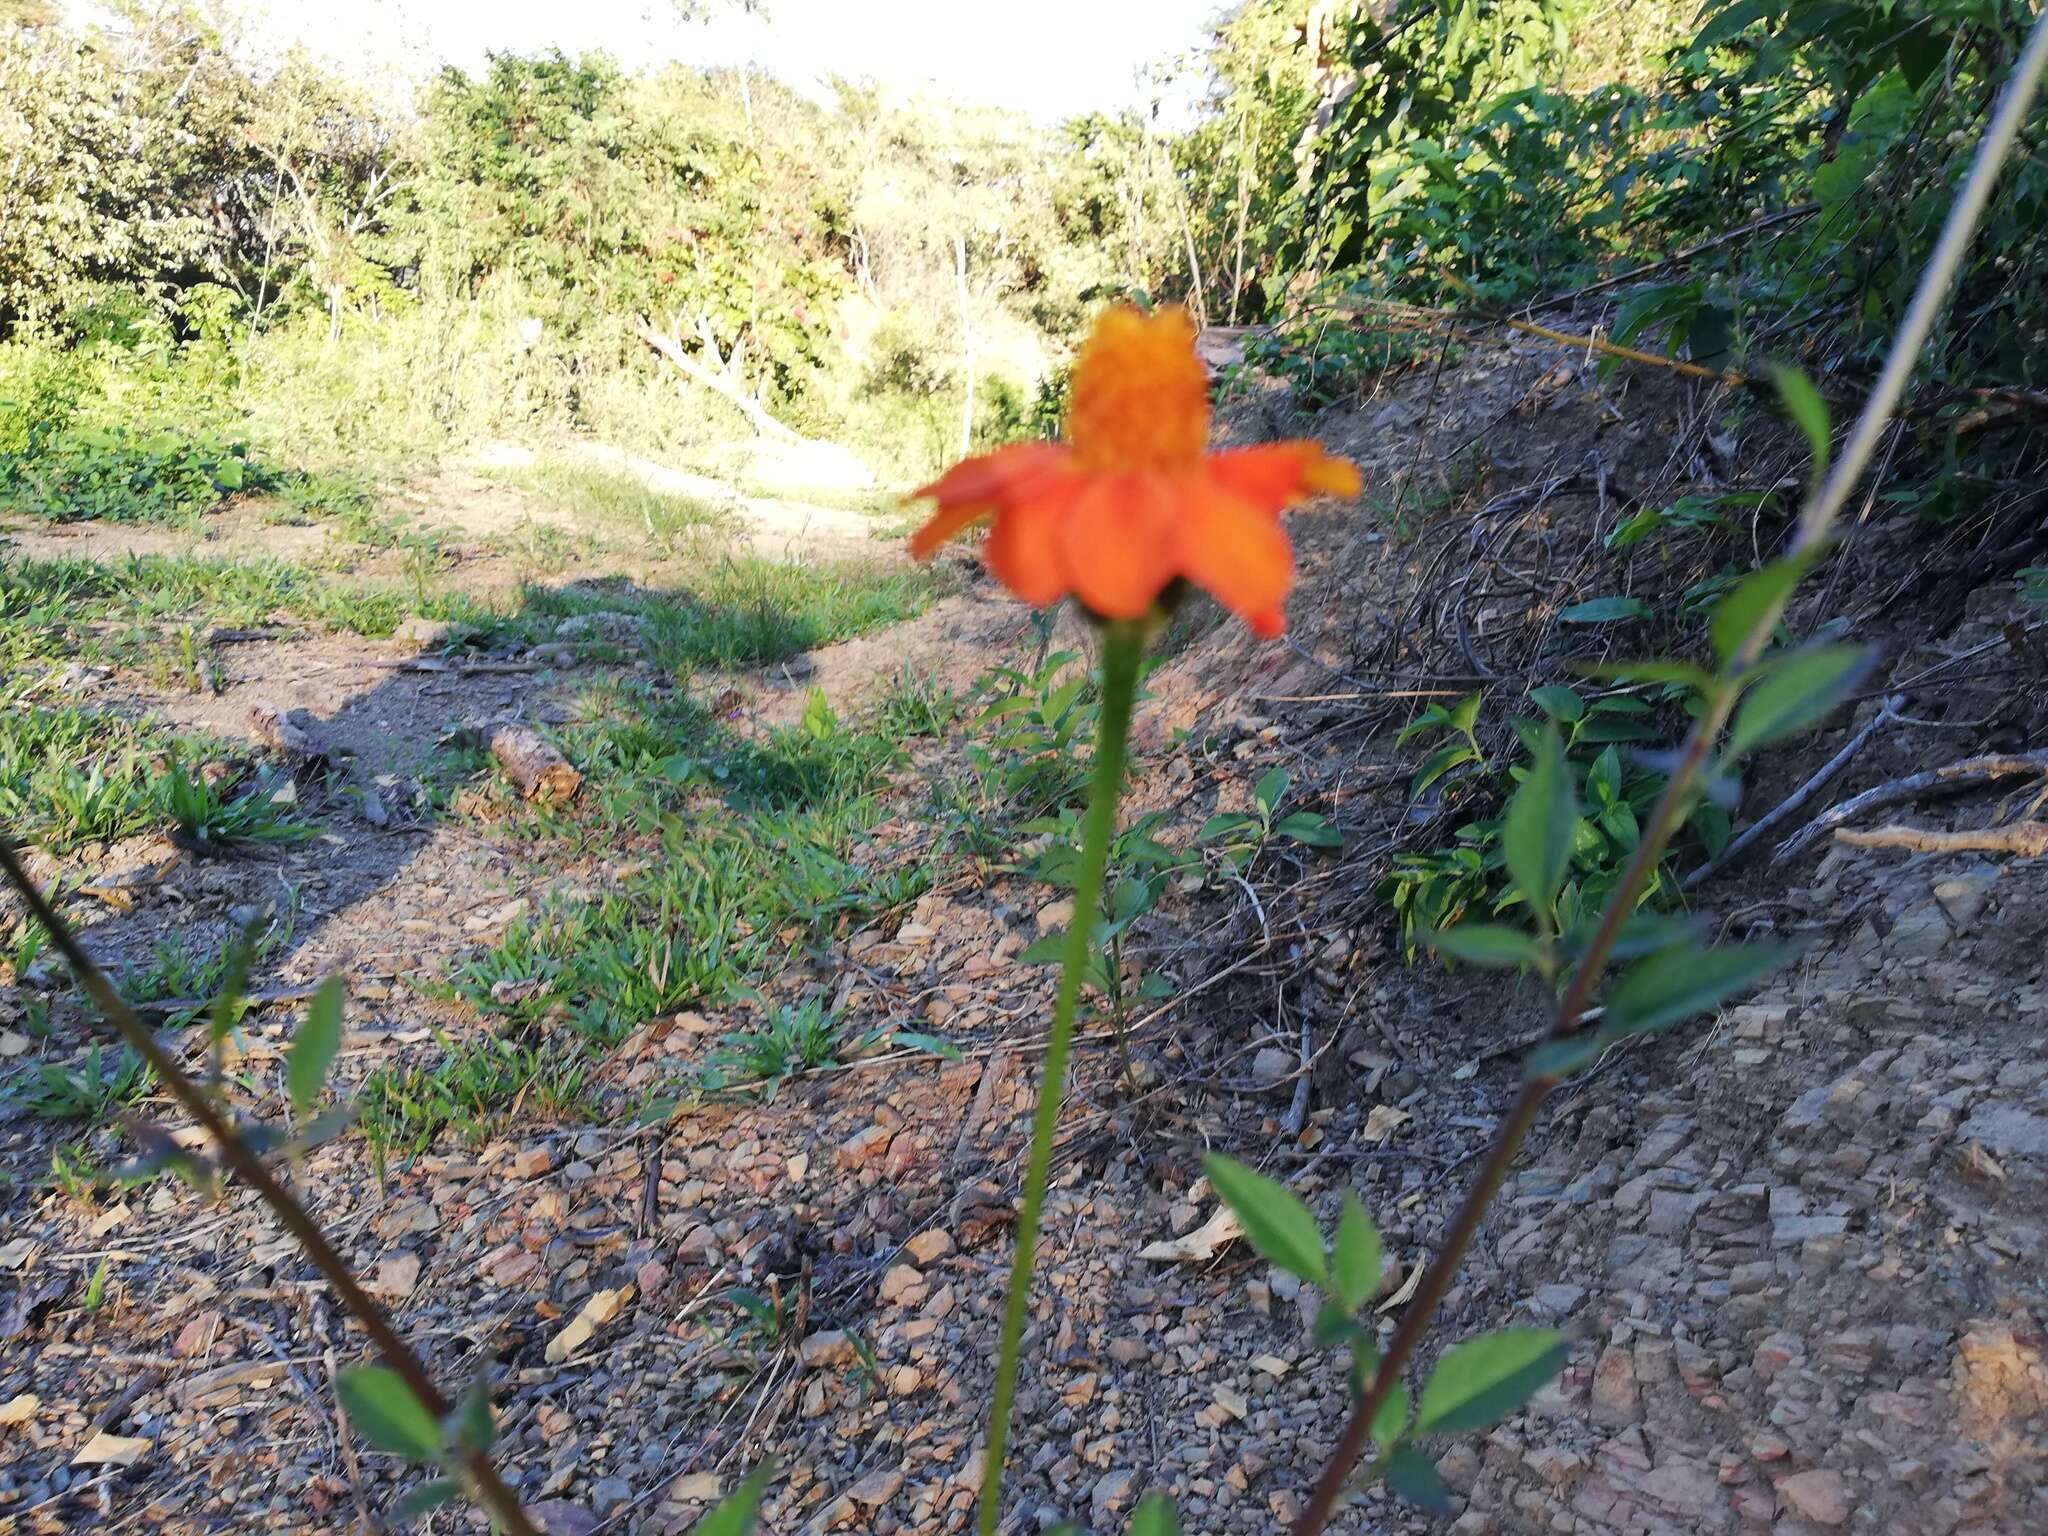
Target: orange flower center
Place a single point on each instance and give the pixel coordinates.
(1140, 398)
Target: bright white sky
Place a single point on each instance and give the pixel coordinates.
(1051, 58)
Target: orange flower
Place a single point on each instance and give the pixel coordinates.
(1132, 501)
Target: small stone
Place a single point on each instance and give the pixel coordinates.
(1819, 1496)
(1616, 1401)
(1111, 1492)
(904, 1286)
(18, 1409)
(864, 1146)
(1271, 1065)
(930, 1246)
(532, 1163)
(105, 1450)
(395, 1277)
(877, 1488)
(831, 1347)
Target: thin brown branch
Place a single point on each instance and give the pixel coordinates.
(1950, 779)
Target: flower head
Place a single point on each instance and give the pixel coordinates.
(1132, 501)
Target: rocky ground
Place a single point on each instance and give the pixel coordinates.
(1795, 1248)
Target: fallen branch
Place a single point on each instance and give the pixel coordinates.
(1953, 779)
(2029, 839)
(540, 773)
(1799, 796)
(671, 352)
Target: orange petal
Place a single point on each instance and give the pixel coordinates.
(1118, 543)
(977, 487)
(1275, 476)
(1236, 552)
(1023, 549)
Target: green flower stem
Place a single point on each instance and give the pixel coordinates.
(1123, 647)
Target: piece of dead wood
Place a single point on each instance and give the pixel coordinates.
(1952, 779)
(460, 668)
(2028, 839)
(540, 773)
(244, 636)
(671, 352)
(257, 998)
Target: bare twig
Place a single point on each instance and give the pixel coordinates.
(2029, 839)
(1799, 796)
(1949, 780)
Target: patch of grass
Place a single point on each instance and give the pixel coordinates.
(617, 500)
(794, 1039)
(73, 776)
(121, 612)
(466, 1094)
(212, 818)
(92, 1089)
(742, 611)
(731, 854)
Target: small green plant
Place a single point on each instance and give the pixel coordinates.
(212, 819)
(765, 1317)
(1477, 1383)
(101, 1083)
(1437, 888)
(794, 1040)
(112, 473)
(1459, 720)
(1244, 835)
(1021, 759)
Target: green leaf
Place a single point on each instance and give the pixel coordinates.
(428, 1496)
(1441, 762)
(1558, 702)
(1048, 949)
(735, 1517)
(1796, 693)
(1762, 589)
(1272, 1215)
(1481, 1381)
(314, 1046)
(1684, 673)
(1155, 1517)
(382, 1407)
(1308, 829)
(1561, 1058)
(1271, 786)
(1465, 713)
(1413, 1476)
(471, 1422)
(1228, 824)
(234, 982)
(1486, 944)
(1355, 1257)
(931, 1045)
(1392, 1418)
(1536, 833)
(1605, 610)
(1808, 411)
(1682, 981)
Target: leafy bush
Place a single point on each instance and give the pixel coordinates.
(114, 474)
